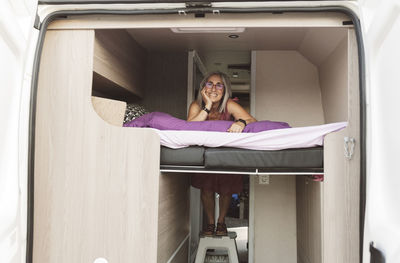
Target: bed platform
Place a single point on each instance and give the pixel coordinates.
(234, 160)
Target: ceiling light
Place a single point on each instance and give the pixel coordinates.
(233, 36)
(207, 29)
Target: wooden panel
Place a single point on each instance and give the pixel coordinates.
(106, 88)
(182, 255)
(111, 111)
(173, 221)
(320, 43)
(275, 221)
(342, 178)
(166, 80)
(96, 185)
(119, 58)
(341, 202)
(309, 212)
(287, 89)
(334, 83)
(306, 19)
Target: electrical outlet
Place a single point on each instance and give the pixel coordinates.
(263, 179)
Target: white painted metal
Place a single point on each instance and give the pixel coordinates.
(45, 10)
(381, 28)
(190, 78)
(196, 211)
(194, 61)
(17, 45)
(380, 22)
(225, 242)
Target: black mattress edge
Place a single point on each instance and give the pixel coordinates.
(255, 171)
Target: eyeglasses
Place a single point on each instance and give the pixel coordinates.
(218, 86)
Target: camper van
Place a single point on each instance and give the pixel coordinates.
(77, 186)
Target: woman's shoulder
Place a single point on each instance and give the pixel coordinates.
(194, 104)
(232, 104)
(194, 108)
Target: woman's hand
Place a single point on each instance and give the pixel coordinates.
(236, 127)
(206, 99)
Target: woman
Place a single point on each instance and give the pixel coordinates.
(214, 103)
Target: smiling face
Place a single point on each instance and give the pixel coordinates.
(216, 90)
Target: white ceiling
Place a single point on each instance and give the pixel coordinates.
(218, 51)
(163, 39)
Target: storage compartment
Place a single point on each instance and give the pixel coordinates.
(301, 68)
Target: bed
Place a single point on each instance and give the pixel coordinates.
(265, 147)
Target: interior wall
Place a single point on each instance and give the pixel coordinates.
(286, 87)
(173, 217)
(309, 222)
(318, 43)
(334, 83)
(275, 221)
(166, 83)
(118, 65)
(196, 220)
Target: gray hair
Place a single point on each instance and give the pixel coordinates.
(227, 89)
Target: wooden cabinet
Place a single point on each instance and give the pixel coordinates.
(98, 191)
(95, 185)
(118, 65)
(321, 221)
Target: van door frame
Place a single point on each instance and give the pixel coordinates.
(59, 14)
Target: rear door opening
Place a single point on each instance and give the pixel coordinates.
(297, 67)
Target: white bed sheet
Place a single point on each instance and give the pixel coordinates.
(300, 137)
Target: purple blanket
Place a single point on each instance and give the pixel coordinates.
(164, 121)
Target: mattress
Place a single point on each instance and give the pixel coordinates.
(278, 139)
(193, 155)
(243, 158)
(302, 159)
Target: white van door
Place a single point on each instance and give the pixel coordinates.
(381, 29)
(17, 45)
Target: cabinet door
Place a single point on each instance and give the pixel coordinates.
(96, 185)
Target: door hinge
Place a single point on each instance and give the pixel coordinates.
(376, 255)
(37, 22)
(182, 12)
(349, 143)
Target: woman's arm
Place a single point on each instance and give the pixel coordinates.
(238, 113)
(196, 113)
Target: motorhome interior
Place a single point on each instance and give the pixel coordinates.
(99, 191)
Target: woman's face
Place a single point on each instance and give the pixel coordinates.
(214, 88)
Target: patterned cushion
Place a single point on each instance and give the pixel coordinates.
(134, 111)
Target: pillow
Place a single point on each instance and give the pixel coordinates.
(164, 121)
(260, 126)
(134, 111)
